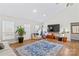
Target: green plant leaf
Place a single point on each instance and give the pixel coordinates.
(20, 30)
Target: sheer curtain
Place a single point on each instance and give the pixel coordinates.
(28, 32)
(8, 32)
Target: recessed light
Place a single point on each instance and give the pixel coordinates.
(44, 14)
(35, 10)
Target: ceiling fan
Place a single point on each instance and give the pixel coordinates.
(69, 4)
(66, 4)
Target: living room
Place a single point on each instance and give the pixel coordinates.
(54, 22)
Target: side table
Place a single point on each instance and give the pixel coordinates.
(64, 39)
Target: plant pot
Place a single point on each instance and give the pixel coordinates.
(20, 39)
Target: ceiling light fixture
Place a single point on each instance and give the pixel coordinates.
(35, 11)
(44, 14)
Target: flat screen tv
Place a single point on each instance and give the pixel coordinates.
(54, 28)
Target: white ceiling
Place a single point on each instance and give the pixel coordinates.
(25, 10)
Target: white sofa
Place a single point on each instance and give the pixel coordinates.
(7, 51)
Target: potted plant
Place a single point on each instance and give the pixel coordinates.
(20, 31)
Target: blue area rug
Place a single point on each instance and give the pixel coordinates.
(39, 48)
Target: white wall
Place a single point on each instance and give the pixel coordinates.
(18, 21)
(65, 17)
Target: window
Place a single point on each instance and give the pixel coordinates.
(75, 28)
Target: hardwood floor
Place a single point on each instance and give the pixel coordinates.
(69, 49)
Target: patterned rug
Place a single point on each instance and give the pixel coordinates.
(39, 48)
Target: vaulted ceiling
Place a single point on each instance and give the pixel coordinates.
(34, 11)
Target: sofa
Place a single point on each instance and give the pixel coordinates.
(6, 50)
(50, 35)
